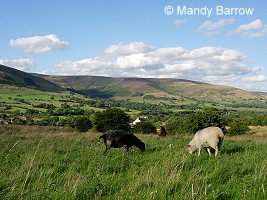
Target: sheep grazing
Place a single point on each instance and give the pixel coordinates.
(162, 132)
(118, 138)
(207, 137)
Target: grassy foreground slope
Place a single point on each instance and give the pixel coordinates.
(44, 163)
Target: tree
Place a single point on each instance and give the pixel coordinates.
(145, 128)
(16, 113)
(83, 124)
(179, 125)
(111, 119)
(190, 123)
(209, 117)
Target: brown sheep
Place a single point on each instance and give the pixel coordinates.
(162, 132)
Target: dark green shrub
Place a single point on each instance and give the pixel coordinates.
(180, 125)
(144, 128)
(111, 119)
(83, 124)
(190, 123)
(238, 127)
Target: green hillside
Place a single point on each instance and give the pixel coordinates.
(14, 77)
(136, 89)
(97, 86)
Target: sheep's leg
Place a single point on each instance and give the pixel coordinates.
(216, 151)
(126, 147)
(199, 151)
(208, 149)
(108, 144)
(105, 152)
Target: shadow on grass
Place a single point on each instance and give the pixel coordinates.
(233, 150)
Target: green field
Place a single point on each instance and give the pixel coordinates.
(53, 163)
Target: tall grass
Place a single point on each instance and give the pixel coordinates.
(57, 164)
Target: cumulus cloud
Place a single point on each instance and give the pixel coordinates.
(254, 29)
(84, 67)
(127, 49)
(137, 59)
(211, 28)
(20, 64)
(39, 44)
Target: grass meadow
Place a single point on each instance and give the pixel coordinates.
(53, 163)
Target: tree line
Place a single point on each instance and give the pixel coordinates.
(188, 120)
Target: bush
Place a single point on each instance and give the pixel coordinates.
(180, 125)
(238, 127)
(209, 117)
(144, 128)
(191, 123)
(83, 124)
(111, 119)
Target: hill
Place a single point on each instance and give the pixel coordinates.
(14, 77)
(137, 89)
(152, 88)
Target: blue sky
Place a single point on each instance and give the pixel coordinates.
(138, 39)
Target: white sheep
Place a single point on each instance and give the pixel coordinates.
(207, 137)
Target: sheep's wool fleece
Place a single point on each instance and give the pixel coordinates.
(208, 136)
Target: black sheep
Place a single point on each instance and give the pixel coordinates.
(119, 138)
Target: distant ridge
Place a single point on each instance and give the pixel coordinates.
(11, 76)
(104, 87)
(127, 88)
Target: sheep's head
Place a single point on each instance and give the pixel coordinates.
(191, 147)
(142, 146)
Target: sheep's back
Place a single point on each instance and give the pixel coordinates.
(120, 138)
(209, 135)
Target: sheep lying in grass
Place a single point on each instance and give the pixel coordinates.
(118, 138)
(208, 137)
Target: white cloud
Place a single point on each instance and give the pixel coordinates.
(257, 24)
(259, 78)
(254, 29)
(136, 61)
(170, 53)
(257, 69)
(211, 28)
(39, 44)
(20, 64)
(179, 22)
(205, 25)
(84, 67)
(214, 64)
(48, 72)
(257, 34)
(127, 49)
